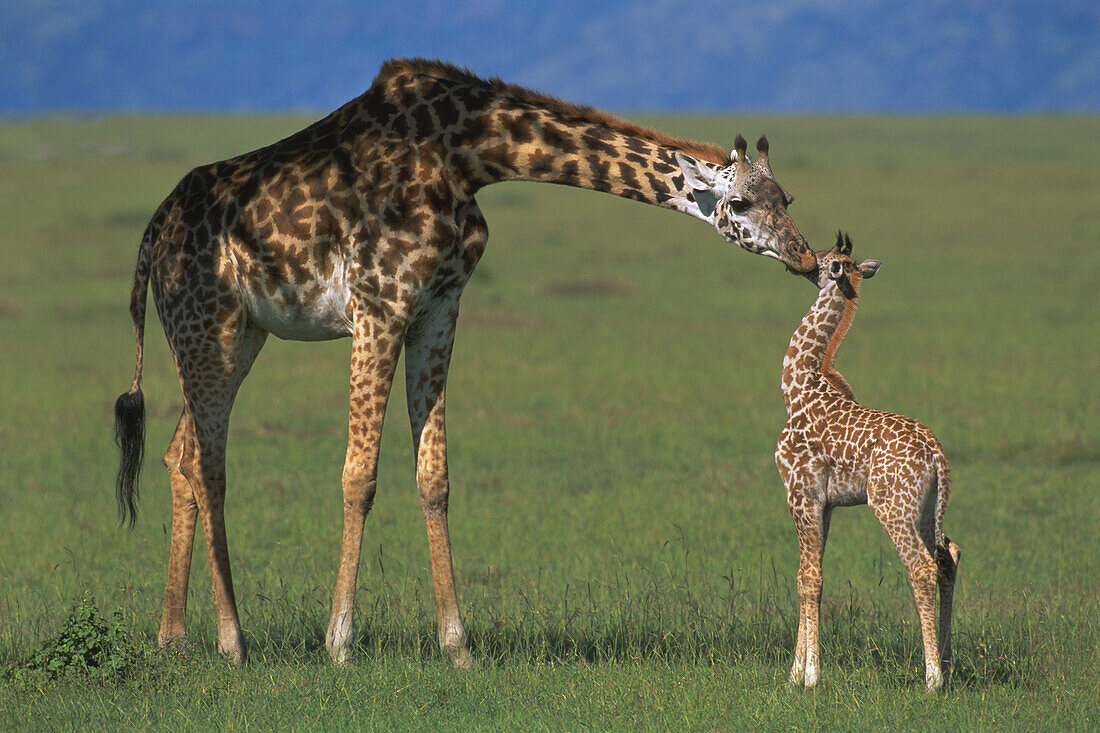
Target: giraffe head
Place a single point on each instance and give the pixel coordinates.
(836, 265)
(747, 206)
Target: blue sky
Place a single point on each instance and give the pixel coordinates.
(642, 56)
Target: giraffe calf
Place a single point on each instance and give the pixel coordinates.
(836, 452)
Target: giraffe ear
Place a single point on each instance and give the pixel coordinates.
(704, 181)
(868, 268)
(706, 201)
(697, 174)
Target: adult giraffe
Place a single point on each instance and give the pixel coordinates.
(364, 224)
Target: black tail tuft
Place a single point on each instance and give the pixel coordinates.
(130, 437)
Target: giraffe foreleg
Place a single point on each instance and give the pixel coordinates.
(427, 358)
(376, 344)
(811, 521)
(811, 552)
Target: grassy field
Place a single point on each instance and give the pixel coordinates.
(622, 544)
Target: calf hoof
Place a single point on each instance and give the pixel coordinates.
(933, 685)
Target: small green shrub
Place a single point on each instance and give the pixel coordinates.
(89, 645)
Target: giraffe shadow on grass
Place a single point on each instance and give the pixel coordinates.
(859, 641)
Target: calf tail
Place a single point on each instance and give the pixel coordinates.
(947, 552)
(943, 494)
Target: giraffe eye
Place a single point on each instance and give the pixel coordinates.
(740, 205)
(835, 268)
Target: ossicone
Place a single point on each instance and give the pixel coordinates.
(843, 244)
(740, 145)
(737, 155)
(762, 160)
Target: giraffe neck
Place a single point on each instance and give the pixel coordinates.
(491, 132)
(541, 145)
(834, 377)
(813, 346)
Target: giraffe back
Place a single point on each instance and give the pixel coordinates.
(288, 230)
(858, 454)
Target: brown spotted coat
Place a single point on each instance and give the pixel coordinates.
(364, 225)
(836, 452)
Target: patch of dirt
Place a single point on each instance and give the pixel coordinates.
(598, 286)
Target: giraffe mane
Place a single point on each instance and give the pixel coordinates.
(441, 70)
(839, 333)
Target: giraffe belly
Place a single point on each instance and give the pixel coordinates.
(302, 314)
(846, 487)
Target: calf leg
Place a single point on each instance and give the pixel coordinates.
(811, 524)
(904, 530)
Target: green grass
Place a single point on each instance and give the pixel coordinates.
(623, 550)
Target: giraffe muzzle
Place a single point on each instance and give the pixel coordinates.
(799, 258)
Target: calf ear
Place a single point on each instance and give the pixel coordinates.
(868, 268)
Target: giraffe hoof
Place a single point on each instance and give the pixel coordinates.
(802, 682)
(173, 641)
(236, 657)
(347, 662)
(460, 657)
(234, 650)
(180, 647)
(341, 657)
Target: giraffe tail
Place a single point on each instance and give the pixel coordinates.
(130, 406)
(943, 496)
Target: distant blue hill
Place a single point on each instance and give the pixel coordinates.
(649, 55)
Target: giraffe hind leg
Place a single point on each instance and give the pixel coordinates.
(948, 555)
(184, 516)
(212, 359)
(905, 530)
